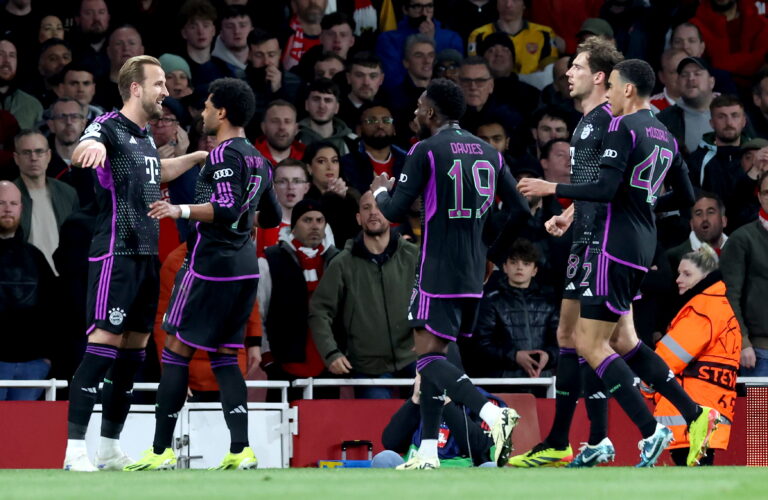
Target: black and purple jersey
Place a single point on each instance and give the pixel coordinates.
(642, 149)
(125, 186)
(586, 151)
(458, 176)
(237, 181)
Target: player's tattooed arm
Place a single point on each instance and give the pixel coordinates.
(171, 168)
(89, 153)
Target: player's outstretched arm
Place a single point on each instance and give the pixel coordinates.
(164, 210)
(601, 191)
(171, 168)
(89, 153)
(410, 186)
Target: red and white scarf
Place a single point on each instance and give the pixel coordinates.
(311, 262)
(762, 216)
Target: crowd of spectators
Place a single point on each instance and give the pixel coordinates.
(336, 84)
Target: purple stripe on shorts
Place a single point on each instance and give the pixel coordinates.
(90, 329)
(229, 278)
(234, 346)
(604, 365)
(567, 350)
(438, 334)
(196, 346)
(614, 309)
(181, 297)
(634, 350)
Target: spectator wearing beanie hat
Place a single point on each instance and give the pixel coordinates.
(178, 76)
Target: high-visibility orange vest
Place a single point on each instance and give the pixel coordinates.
(703, 347)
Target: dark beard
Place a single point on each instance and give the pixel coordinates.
(6, 83)
(424, 132)
(722, 8)
(381, 231)
(379, 142)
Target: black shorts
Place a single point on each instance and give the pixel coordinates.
(446, 318)
(122, 293)
(612, 286)
(578, 270)
(207, 314)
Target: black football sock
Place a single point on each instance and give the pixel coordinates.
(117, 394)
(85, 387)
(654, 371)
(445, 375)
(567, 393)
(620, 382)
(431, 401)
(234, 397)
(596, 402)
(171, 396)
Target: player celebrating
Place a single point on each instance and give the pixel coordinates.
(639, 153)
(458, 175)
(588, 79)
(123, 269)
(216, 287)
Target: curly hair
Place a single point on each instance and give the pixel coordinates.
(235, 96)
(447, 97)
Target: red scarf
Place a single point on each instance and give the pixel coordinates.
(763, 217)
(311, 262)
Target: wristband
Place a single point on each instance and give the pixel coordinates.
(184, 211)
(380, 190)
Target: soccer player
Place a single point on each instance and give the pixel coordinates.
(216, 287)
(458, 175)
(123, 268)
(587, 81)
(639, 153)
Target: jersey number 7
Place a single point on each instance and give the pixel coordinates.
(484, 181)
(645, 175)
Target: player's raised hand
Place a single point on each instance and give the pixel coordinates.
(92, 156)
(162, 210)
(382, 180)
(535, 187)
(557, 225)
(340, 366)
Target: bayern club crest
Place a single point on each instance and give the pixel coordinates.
(586, 131)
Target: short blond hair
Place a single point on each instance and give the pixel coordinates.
(133, 71)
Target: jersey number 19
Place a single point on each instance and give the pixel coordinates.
(484, 181)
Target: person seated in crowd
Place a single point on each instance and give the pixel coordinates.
(231, 47)
(291, 183)
(25, 108)
(123, 43)
(536, 46)
(517, 323)
(689, 119)
(548, 123)
(263, 73)
(418, 61)
(50, 27)
(364, 77)
(463, 441)
(89, 36)
(735, 33)
(667, 75)
(376, 152)
(66, 122)
(27, 297)
(758, 113)
(47, 202)
(374, 269)
(743, 205)
(556, 160)
(54, 55)
(447, 64)
(715, 166)
(305, 30)
(76, 82)
(704, 336)
(178, 76)
(418, 18)
(280, 129)
(499, 51)
(708, 221)
(744, 263)
(687, 37)
(322, 105)
(327, 66)
(477, 82)
(337, 36)
(290, 273)
(339, 201)
(197, 19)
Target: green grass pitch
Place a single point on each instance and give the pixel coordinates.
(610, 483)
